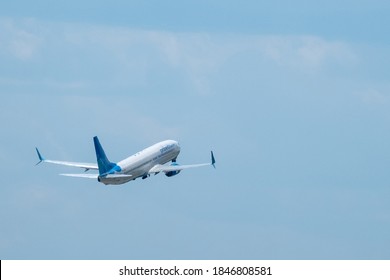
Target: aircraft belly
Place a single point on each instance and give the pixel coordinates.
(114, 181)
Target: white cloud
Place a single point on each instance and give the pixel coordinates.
(305, 52)
(120, 111)
(374, 97)
(316, 51)
(19, 38)
(127, 56)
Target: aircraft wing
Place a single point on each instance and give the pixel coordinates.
(74, 164)
(168, 168)
(87, 166)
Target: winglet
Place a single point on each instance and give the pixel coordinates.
(41, 158)
(212, 159)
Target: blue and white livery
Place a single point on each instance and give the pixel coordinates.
(151, 160)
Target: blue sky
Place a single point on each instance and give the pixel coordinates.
(292, 97)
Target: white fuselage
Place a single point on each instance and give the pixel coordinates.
(139, 164)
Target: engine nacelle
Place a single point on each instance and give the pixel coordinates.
(172, 173)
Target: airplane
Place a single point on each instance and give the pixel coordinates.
(151, 160)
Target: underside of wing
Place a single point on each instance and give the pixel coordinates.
(168, 168)
(174, 167)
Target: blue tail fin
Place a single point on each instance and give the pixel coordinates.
(105, 166)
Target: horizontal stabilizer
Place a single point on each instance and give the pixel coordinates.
(85, 175)
(96, 176)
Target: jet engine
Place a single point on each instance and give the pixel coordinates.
(175, 172)
(172, 173)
